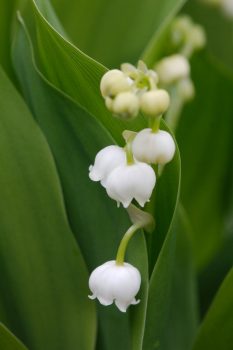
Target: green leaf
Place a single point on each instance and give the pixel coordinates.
(160, 288)
(43, 276)
(205, 139)
(98, 225)
(8, 341)
(115, 31)
(216, 330)
(81, 77)
(183, 316)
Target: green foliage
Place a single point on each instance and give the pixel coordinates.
(8, 341)
(216, 330)
(56, 225)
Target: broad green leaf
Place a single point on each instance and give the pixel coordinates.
(81, 77)
(98, 225)
(43, 276)
(205, 139)
(216, 330)
(115, 31)
(8, 341)
(158, 306)
(183, 316)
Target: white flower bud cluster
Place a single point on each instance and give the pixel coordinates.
(130, 90)
(187, 34)
(174, 70)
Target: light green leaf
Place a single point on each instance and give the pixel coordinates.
(158, 307)
(8, 341)
(43, 277)
(183, 316)
(81, 77)
(97, 223)
(115, 31)
(216, 330)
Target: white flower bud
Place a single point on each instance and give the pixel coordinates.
(155, 102)
(185, 89)
(197, 37)
(227, 7)
(127, 182)
(126, 105)
(156, 148)
(172, 68)
(115, 283)
(106, 160)
(113, 82)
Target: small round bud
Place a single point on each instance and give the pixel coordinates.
(180, 29)
(113, 82)
(155, 102)
(197, 37)
(126, 105)
(172, 68)
(186, 89)
(109, 103)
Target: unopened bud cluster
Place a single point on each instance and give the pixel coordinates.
(130, 90)
(186, 37)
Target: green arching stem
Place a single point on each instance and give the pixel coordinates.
(128, 151)
(124, 242)
(155, 123)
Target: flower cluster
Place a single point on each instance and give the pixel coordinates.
(186, 37)
(127, 173)
(133, 89)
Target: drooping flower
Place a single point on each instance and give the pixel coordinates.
(115, 283)
(127, 182)
(106, 160)
(153, 147)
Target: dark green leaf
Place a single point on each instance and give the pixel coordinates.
(216, 331)
(98, 225)
(8, 341)
(43, 276)
(115, 31)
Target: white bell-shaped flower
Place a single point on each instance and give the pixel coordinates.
(106, 160)
(172, 68)
(113, 82)
(153, 147)
(127, 182)
(115, 283)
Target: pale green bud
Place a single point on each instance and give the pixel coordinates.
(172, 68)
(155, 102)
(113, 82)
(126, 105)
(197, 37)
(186, 89)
